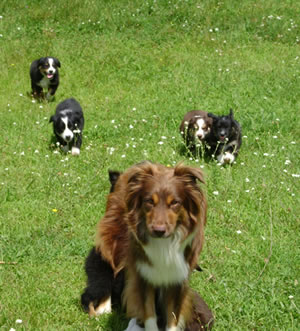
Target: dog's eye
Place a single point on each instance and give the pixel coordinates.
(149, 201)
(175, 203)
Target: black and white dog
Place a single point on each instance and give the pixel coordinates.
(44, 75)
(226, 137)
(68, 123)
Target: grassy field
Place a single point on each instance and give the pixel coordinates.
(136, 67)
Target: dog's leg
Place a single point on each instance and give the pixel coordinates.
(37, 91)
(150, 314)
(179, 303)
(226, 158)
(51, 92)
(139, 300)
(133, 326)
(77, 143)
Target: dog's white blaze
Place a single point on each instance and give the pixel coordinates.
(168, 264)
(67, 132)
(104, 307)
(200, 132)
(133, 326)
(51, 67)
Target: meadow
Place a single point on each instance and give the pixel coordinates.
(137, 67)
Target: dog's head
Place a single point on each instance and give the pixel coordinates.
(65, 125)
(162, 200)
(199, 127)
(222, 126)
(48, 66)
(196, 126)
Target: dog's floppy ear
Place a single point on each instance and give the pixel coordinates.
(52, 119)
(136, 176)
(195, 202)
(41, 61)
(56, 61)
(190, 174)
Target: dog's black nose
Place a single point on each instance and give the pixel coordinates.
(68, 138)
(50, 71)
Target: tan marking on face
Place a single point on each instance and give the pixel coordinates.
(170, 199)
(155, 198)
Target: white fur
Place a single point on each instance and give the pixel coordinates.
(67, 131)
(133, 326)
(179, 327)
(151, 324)
(174, 328)
(44, 83)
(65, 112)
(51, 67)
(226, 158)
(75, 151)
(201, 133)
(168, 265)
(104, 307)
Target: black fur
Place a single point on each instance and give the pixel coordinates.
(113, 177)
(38, 73)
(226, 136)
(71, 109)
(101, 282)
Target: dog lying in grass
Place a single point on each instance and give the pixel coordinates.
(226, 138)
(153, 231)
(195, 129)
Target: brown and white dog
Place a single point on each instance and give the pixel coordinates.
(153, 228)
(195, 128)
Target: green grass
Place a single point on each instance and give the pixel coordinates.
(136, 67)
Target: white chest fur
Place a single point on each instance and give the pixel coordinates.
(44, 83)
(168, 265)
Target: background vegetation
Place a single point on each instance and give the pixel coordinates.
(136, 67)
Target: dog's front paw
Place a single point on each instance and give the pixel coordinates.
(226, 158)
(49, 97)
(133, 326)
(75, 151)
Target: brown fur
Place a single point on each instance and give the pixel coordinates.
(189, 124)
(153, 201)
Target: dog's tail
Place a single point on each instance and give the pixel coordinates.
(99, 282)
